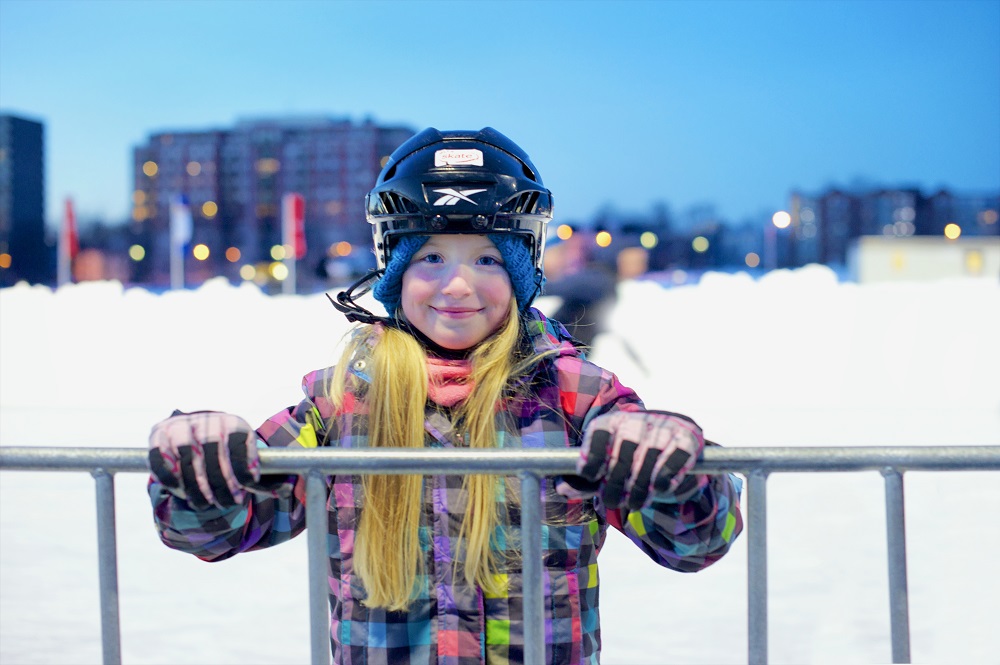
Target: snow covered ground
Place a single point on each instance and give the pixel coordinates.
(792, 359)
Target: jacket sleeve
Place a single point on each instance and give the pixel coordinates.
(261, 521)
(686, 536)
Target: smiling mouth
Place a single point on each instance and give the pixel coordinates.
(455, 311)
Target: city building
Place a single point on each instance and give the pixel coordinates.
(825, 226)
(24, 254)
(234, 180)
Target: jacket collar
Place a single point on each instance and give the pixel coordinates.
(548, 336)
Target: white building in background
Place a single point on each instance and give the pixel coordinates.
(915, 258)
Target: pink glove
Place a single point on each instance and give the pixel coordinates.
(635, 456)
(210, 459)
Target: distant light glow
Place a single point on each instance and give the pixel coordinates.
(233, 254)
(200, 251)
(150, 168)
(138, 197)
(140, 213)
(807, 215)
(267, 166)
(649, 240)
(700, 244)
(974, 262)
(209, 209)
(897, 261)
(247, 272)
(564, 232)
(278, 271)
(679, 277)
(137, 252)
(989, 216)
(603, 239)
(781, 219)
(752, 259)
(193, 168)
(952, 231)
(278, 252)
(5, 260)
(342, 248)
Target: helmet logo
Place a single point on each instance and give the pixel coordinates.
(453, 196)
(467, 157)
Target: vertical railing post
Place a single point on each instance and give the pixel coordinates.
(107, 566)
(531, 552)
(757, 567)
(317, 536)
(895, 524)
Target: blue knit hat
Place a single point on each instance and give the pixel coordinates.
(516, 258)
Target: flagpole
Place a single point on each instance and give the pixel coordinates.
(288, 286)
(180, 235)
(176, 266)
(62, 267)
(288, 243)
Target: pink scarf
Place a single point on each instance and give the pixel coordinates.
(448, 381)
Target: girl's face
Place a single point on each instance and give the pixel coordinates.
(456, 290)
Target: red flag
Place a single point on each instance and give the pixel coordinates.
(293, 216)
(70, 241)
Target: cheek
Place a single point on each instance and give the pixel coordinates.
(413, 291)
(497, 290)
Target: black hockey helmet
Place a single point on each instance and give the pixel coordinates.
(459, 182)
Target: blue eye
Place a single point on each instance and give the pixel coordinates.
(431, 258)
(489, 261)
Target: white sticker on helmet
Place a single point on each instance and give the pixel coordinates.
(467, 157)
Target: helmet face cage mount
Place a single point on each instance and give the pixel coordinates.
(458, 182)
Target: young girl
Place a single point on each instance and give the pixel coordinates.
(428, 569)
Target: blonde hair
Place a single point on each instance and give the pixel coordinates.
(387, 553)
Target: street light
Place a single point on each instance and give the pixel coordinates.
(779, 220)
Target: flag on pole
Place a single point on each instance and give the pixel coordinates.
(293, 229)
(180, 235)
(70, 239)
(181, 224)
(69, 244)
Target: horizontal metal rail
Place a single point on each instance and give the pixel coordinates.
(511, 461)
(530, 465)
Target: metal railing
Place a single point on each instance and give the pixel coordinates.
(755, 463)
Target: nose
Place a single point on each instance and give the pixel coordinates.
(458, 283)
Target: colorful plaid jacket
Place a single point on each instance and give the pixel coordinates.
(450, 623)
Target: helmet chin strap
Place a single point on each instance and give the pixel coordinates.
(354, 312)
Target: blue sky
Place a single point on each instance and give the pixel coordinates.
(620, 103)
